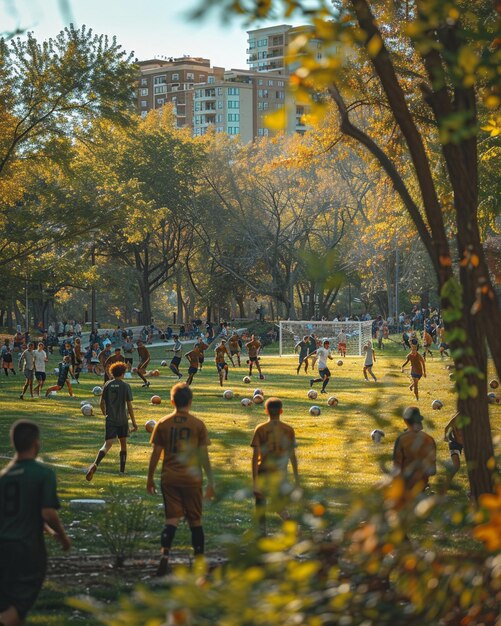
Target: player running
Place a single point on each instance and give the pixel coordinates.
(427, 343)
(27, 359)
(253, 348)
(453, 435)
(177, 349)
(322, 355)
(40, 358)
(235, 344)
(202, 346)
(65, 369)
(302, 347)
(194, 359)
(370, 359)
(116, 406)
(221, 365)
(29, 503)
(418, 368)
(274, 444)
(182, 438)
(144, 361)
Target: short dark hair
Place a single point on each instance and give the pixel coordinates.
(181, 395)
(23, 434)
(273, 406)
(118, 369)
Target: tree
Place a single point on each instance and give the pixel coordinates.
(434, 65)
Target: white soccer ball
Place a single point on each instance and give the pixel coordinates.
(436, 405)
(258, 392)
(258, 399)
(149, 426)
(245, 402)
(377, 435)
(332, 401)
(56, 371)
(228, 394)
(163, 363)
(87, 410)
(315, 411)
(246, 380)
(340, 362)
(97, 390)
(312, 394)
(84, 402)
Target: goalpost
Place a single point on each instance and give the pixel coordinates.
(357, 334)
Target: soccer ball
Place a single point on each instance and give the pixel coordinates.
(97, 390)
(436, 405)
(332, 401)
(491, 397)
(246, 402)
(377, 435)
(228, 394)
(494, 384)
(86, 410)
(163, 363)
(312, 394)
(52, 394)
(150, 425)
(340, 362)
(258, 392)
(56, 371)
(155, 373)
(156, 400)
(315, 411)
(258, 398)
(246, 380)
(84, 402)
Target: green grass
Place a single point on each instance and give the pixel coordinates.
(335, 451)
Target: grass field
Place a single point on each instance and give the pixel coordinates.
(335, 451)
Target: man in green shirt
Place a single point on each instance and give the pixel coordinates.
(116, 403)
(28, 503)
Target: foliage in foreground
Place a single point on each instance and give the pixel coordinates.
(362, 569)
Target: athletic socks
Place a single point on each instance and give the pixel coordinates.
(123, 459)
(100, 456)
(197, 539)
(167, 537)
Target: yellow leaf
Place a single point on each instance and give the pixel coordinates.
(374, 46)
(276, 120)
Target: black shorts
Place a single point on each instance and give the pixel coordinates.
(128, 359)
(20, 579)
(221, 366)
(201, 360)
(253, 359)
(176, 360)
(324, 372)
(113, 431)
(41, 376)
(192, 370)
(234, 352)
(455, 447)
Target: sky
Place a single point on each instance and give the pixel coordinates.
(149, 28)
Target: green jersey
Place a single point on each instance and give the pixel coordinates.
(26, 487)
(116, 393)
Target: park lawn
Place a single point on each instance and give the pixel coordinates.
(335, 451)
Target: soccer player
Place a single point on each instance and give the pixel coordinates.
(27, 358)
(202, 346)
(116, 406)
(28, 505)
(414, 454)
(323, 354)
(427, 342)
(453, 435)
(302, 347)
(443, 346)
(418, 368)
(65, 370)
(117, 357)
(253, 346)
(177, 349)
(312, 350)
(79, 357)
(370, 359)
(128, 348)
(7, 360)
(194, 359)
(221, 365)
(144, 361)
(40, 358)
(341, 343)
(235, 346)
(274, 444)
(183, 440)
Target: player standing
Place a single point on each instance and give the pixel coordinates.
(29, 503)
(323, 354)
(302, 347)
(221, 365)
(117, 357)
(183, 440)
(418, 368)
(177, 349)
(253, 346)
(116, 406)
(427, 342)
(274, 444)
(128, 348)
(454, 437)
(27, 358)
(202, 346)
(144, 361)
(235, 346)
(40, 358)
(341, 343)
(370, 359)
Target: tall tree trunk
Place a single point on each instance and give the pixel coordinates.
(241, 307)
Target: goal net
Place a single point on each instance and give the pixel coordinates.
(357, 334)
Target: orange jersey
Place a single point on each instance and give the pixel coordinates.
(253, 347)
(194, 358)
(181, 435)
(416, 361)
(415, 455)
(144, 354)
(275, 441)
(201, 347)
(221, 351)
(427, 340)
(234, 345)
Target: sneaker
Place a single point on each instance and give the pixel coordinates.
(312, 380)
(163, 566)
(261, 377)
(179, 376)
(323, 391)
(21, 397)
(90, 472)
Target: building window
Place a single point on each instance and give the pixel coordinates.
(280, 95)
(211, 80)
(233, 117)
(262, 93)
(197, 119)
(233, 130)
(144, 103)
(219, 118)
(143, 92)
(265, 106)
(280, 83)
(144, 113)
(260, 106)
(220, 104)
(190, 76)
(233, 104)
(262, 42)
(210, 93)
(233, 91)
(198, 106)
(160, 89)
(201, 78)
(160, 102)
(219, 91)
(175, 77)
(144, 82)
(260, 81)
(262, 132)
(252, 44)
(270, 83)
(159, 80)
